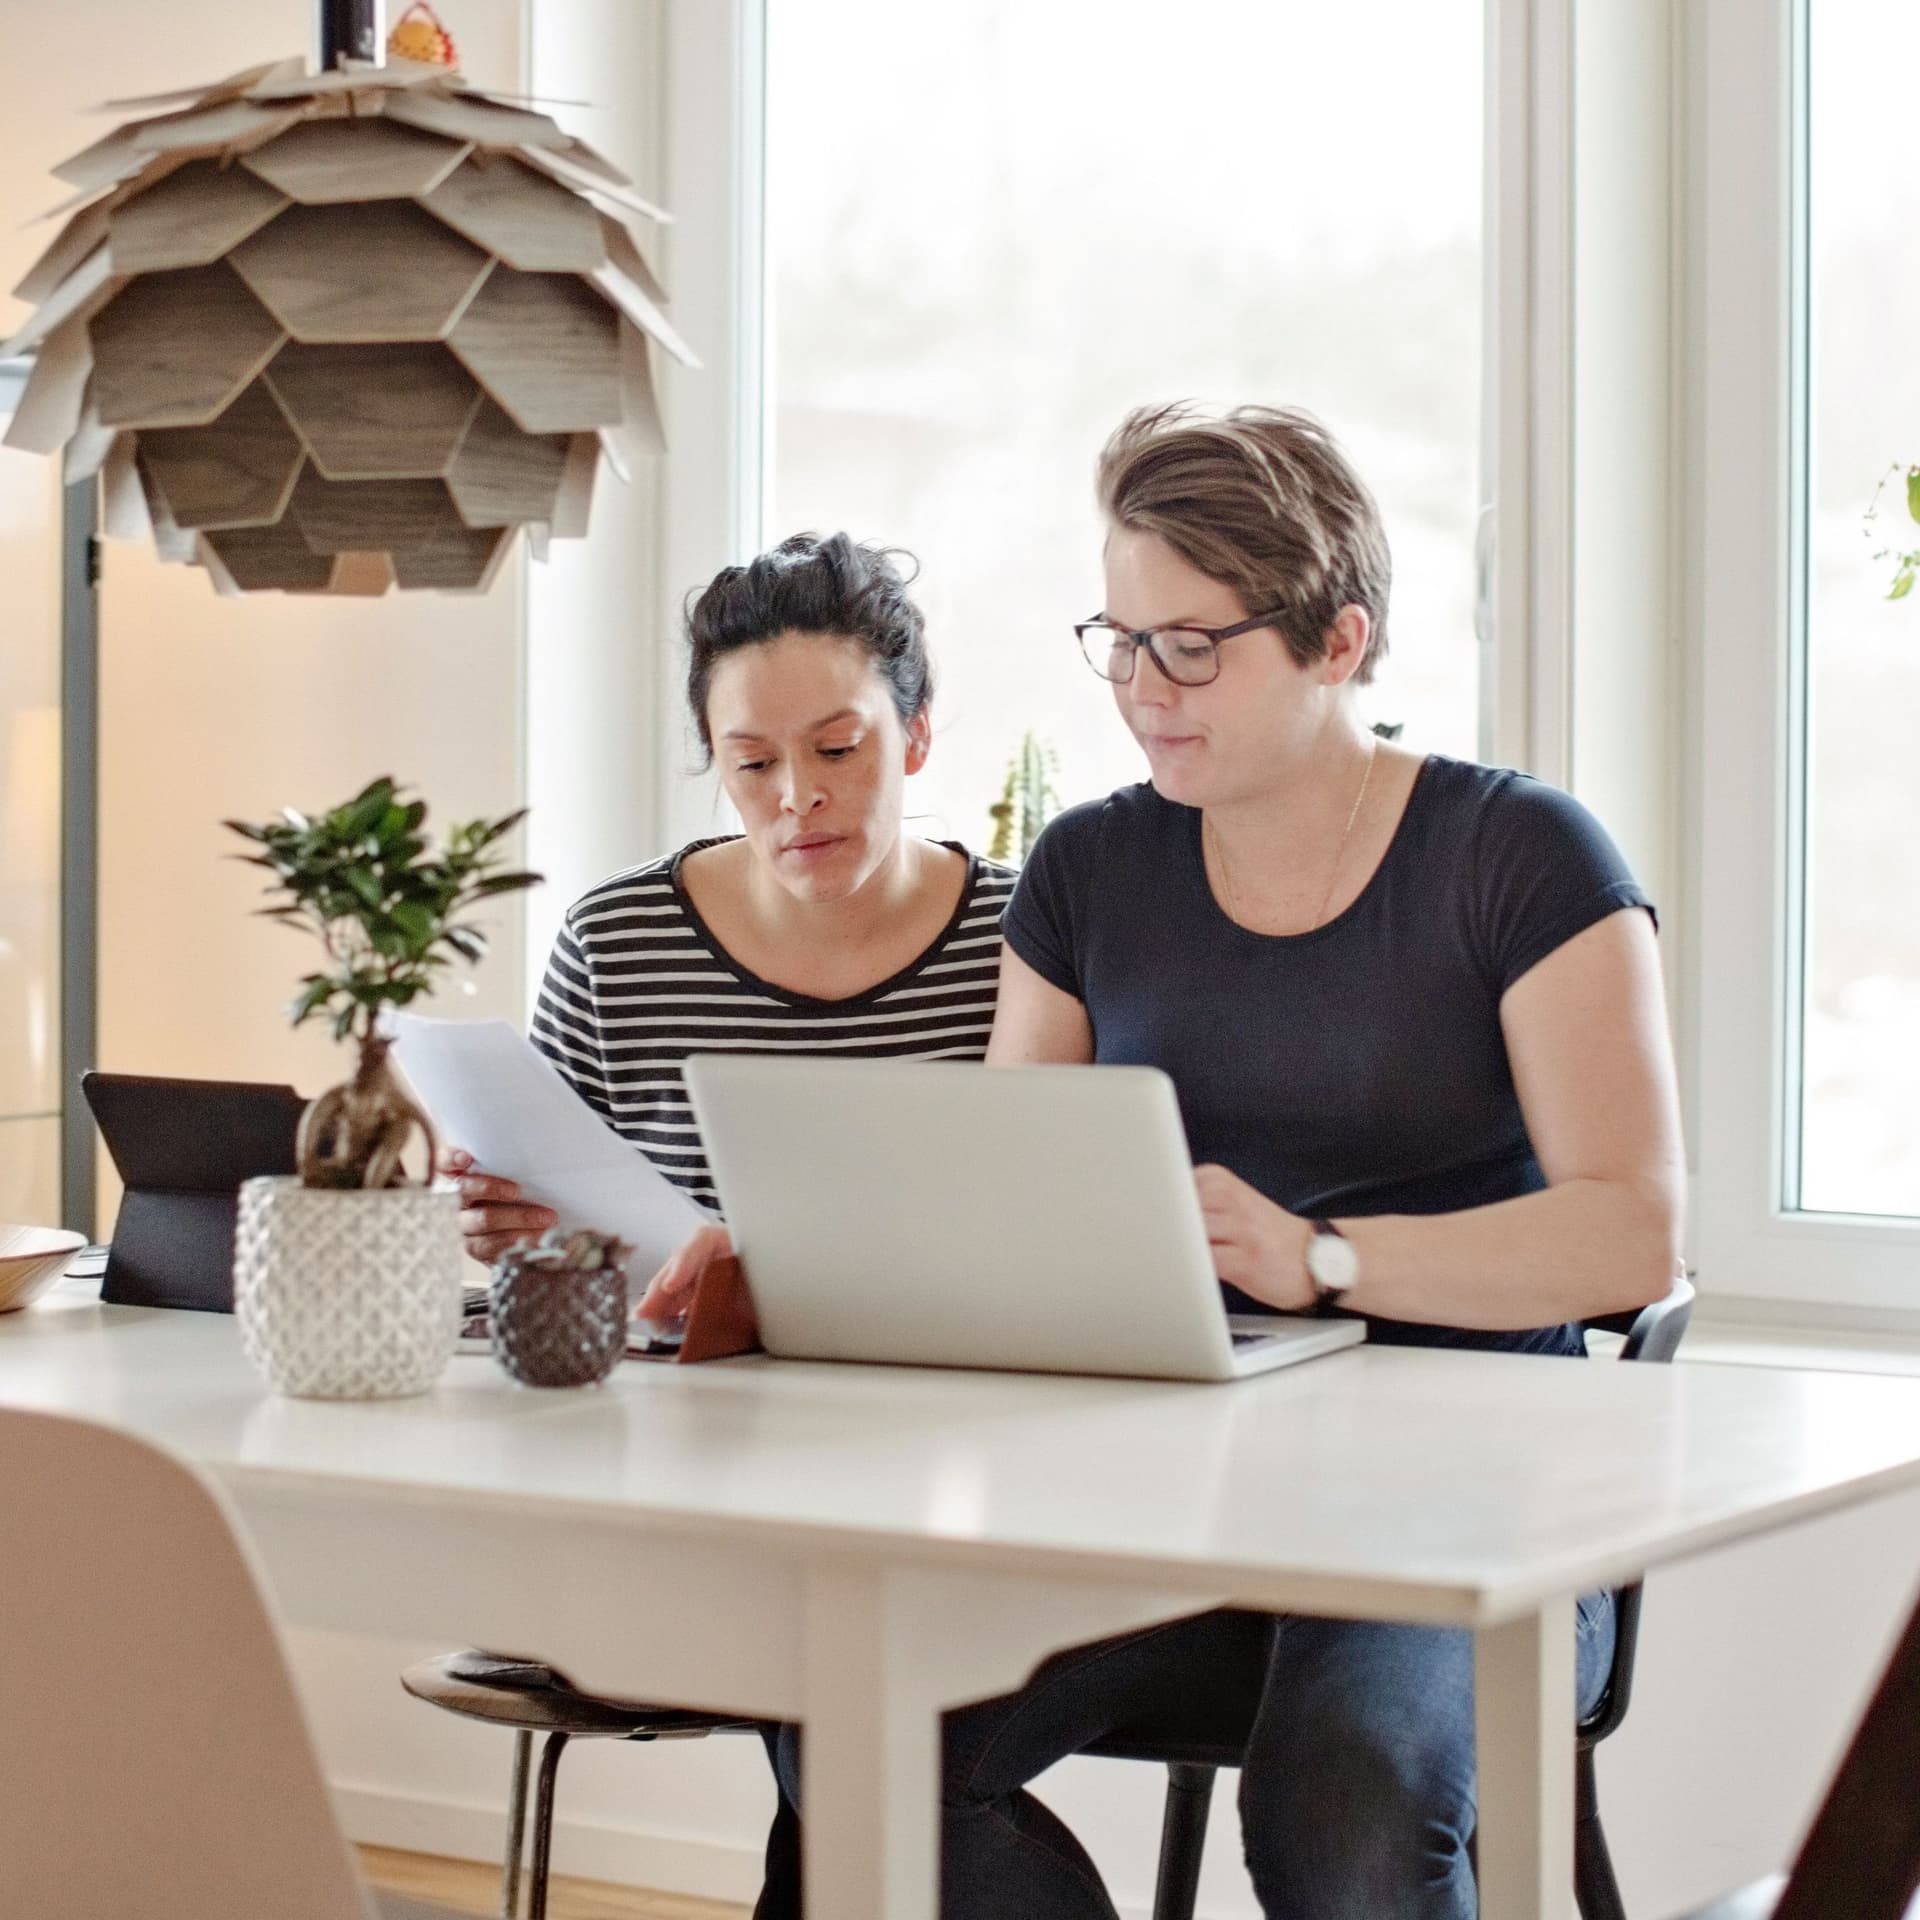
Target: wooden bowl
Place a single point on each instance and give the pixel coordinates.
(31, 1260)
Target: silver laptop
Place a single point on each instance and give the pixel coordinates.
(953, 1215)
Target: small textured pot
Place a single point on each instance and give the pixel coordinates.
(347, 1294)
(557, 1328)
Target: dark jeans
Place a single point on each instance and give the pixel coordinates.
(780, 1890)
(1356, 1798)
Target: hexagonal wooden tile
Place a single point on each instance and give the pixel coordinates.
(208, 128)
(573, 507)
(263, 558)
(376, 413)
(226, 123)
(71, 245)
(502, 476)
(238, 471)
(51, 408)
(475, 118)
(365, 273)
(366, 575)
(528, 219)
(197, 214)
(360, 516)
(462, 562)
(173, 349)
(547, 347)
(322, 162)
(80, 295)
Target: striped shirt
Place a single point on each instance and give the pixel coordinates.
(637, 983)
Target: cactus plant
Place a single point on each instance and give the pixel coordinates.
(1027, 800)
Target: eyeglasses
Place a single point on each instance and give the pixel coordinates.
(1188, 656)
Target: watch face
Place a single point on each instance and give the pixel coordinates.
(1332, 1261)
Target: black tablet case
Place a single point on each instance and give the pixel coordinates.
(182, 1148)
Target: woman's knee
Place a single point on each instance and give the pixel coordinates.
(1358, 1793)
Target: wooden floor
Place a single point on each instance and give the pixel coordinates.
(468, 1886)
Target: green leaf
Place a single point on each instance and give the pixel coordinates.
(507, 882)
(488, 833)
(414, 920)
(315, 995)
(366, 885)
(1902, 582)
(1913, 492)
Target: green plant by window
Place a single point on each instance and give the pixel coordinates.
(386, 906)
(1906, 565)
(1027, 800)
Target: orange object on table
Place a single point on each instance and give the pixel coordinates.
(721, 1322)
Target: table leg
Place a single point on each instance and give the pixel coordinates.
(1523, 1718)
(871, 1788)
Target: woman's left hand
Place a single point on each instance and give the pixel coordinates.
(1257, 1246)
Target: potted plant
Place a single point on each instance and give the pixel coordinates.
(347, 1276)
(1906, 561)
(1027, 800)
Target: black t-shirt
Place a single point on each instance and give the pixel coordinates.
(1356, 1069)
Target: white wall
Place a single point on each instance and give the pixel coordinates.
(1753, 1664)
(213, 708)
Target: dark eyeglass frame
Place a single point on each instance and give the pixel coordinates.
(1146, 637)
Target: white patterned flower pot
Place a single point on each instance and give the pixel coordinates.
(347, 1294)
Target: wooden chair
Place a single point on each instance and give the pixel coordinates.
(154, 1760)
(1861, 1857)
(1193, 1756)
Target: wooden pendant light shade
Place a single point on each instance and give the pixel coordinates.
(345, 331)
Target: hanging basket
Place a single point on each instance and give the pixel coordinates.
(340, 332)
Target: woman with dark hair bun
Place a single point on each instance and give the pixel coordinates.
(821, 927)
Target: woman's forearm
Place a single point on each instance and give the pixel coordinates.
(1574, 1251)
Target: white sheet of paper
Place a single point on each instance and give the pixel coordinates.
(491, 1091)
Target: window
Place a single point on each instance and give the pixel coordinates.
(1804, 939)
(1857, 799)
(991, 230)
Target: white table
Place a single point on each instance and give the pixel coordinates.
(860, 1548)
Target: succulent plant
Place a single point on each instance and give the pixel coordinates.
(558, 1308)
(582, 1251)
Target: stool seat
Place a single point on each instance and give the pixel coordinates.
(537, 1698)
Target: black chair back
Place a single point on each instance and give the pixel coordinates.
(1652, 1333)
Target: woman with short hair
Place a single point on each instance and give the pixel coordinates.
(1412, 1008)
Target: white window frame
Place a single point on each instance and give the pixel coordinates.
(1744, 604)
(714, 108)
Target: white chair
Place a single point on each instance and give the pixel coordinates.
(154, 1761)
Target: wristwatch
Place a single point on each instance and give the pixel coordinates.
(1332, 1265)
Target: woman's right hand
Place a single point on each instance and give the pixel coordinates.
(493, 1217)
(670, 1292)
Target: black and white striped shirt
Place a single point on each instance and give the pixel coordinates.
(637, 983)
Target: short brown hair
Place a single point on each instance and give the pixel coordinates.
(1263, 500)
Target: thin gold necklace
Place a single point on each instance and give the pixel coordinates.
(1340, 852)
